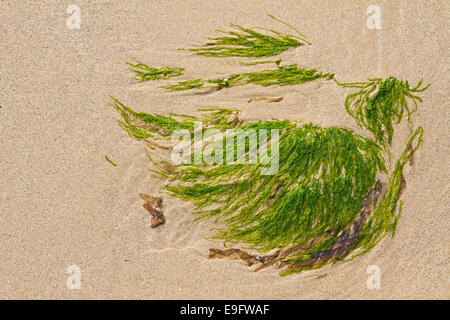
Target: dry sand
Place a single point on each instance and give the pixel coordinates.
(62, 204)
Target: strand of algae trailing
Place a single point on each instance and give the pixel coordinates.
(322, 204)
(385, 216)
(146, 73)
(110, 161)
(380, 104)
(244, 42)
(142, 126)
(282, 75)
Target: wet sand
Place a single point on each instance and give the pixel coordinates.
(63, 204)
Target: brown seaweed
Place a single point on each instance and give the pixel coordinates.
(270, 99)
(153, 205)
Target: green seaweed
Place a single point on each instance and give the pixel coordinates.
(312, 160)
(282, 76)
(185, 85)
(321, 204)
(254, 63)
(110, 161)
(141, 126)
(145, 73)
(332, 196)
(382, 220)
(382, 103)
(244, 42)
(385, 216)
(323, 175)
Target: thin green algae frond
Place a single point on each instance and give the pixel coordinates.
(141, 125)
(146, 73)
(385, 216)
(244, 42)
(382, 103)
(110, 161)
(282, 76)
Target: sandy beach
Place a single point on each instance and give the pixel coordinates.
(62, 204)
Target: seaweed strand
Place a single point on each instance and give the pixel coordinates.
(245, 42)
(283, 76)
(146, 73)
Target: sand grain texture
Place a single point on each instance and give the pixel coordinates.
(62, 204)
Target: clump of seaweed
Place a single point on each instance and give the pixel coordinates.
(378, 217)
(283, 76)
(244, 42)
(381, 103)
(145, 73)
(315, 195)
(324, 200)
(330, 194)
(283, 257)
